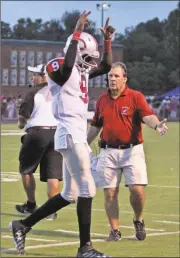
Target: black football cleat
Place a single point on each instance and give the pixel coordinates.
(19, 234)
(88, 251)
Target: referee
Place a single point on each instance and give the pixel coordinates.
(36, 117)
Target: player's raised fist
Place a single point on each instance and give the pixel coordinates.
(82, 21)
(108, 30)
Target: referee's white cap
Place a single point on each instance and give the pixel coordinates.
(38, 69)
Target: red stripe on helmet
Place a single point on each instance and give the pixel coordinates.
(95, 43)
(83, 43)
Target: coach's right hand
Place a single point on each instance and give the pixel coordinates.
(82, 21)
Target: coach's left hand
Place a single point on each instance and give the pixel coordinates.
(161, 128)
(107, 31)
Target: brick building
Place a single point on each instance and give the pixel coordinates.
(16, 55)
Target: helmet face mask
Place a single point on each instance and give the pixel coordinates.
(86, 53)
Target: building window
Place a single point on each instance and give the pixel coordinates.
(5, 77)
(22, 59)
(48, 56)
(13, 58)
(29, 78)
(30, 60)
(39, 58)
(13, 77)
(22, 77)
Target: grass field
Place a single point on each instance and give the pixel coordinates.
(59, 238)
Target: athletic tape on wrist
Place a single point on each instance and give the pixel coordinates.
(107, 45)
(76, 35)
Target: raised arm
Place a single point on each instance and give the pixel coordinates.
(59, 69)
(106, 62)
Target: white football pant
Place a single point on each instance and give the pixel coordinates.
(77, 177)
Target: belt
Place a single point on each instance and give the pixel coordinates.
(105, 145)
(43, 127)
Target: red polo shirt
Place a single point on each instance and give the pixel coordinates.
(121, 118)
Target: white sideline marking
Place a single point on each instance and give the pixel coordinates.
(159, 186)
(42, 246)
(167, 222)
(35, 239)
(11, 173)
(167, 186)
(11, 134)
(76, 232)
(163, 234)
(102, 210)
(77, 242)
(12, 203)
(12, 176)
(97, 234)
(147, 229)
(131, 212)
(9, 179)
(11, 130)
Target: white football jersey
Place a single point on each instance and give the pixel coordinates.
(42, 112)
(70, 105)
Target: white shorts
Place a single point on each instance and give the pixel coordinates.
(112, 163)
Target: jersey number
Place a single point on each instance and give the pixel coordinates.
(84, 90)
(54, 65)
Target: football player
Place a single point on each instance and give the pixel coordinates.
(68, 80)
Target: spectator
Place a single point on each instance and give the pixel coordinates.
(11, 108)
(164, 108)
(18, 102)
(35, 116)
(173, 107)
(3, 106)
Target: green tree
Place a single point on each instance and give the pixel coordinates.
(153, 27)
(151, 48)
(6, 31)
(174, 77)
(52, 30)
(139, 45)
(172, 32)
(19, 29)
(146, 76)
(28, 29)
(69, 20)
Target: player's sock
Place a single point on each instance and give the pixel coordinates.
(84, 219)
(31, 205)
(52, 205)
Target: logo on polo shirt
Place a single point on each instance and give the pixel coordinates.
(124, 110)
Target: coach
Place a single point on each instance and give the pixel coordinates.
(120, 113)
(36, 117)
